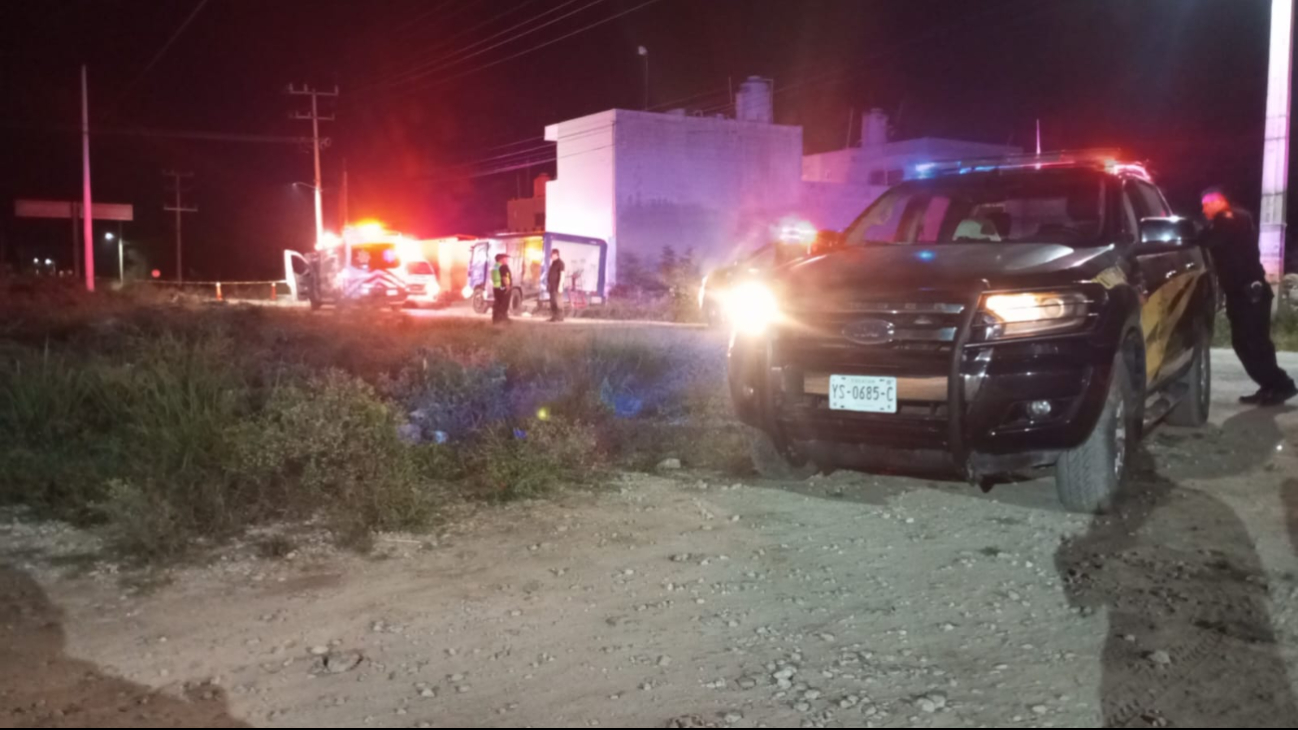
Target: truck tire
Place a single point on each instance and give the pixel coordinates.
(771, 464)
(480, 305)
(515, 303)
(1089, 477)
(1196, 385)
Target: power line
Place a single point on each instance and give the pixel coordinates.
(456, 58)
(535, 48)
(428, 63)
(520, 165)
(412, 27)
(545, 146)
(475, 28)
(161, 52)
(842, 72)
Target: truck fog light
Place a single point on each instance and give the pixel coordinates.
(1039, 409)
(749, 391)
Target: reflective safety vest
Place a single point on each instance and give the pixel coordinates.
(495, 276)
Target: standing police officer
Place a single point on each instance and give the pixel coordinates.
(554, 283)
(1231, 236)
(502, 284)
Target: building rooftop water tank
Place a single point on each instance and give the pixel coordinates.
(754, 102)
(874, 129)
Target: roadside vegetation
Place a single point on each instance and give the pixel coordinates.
(665, 292)
(1284, 329)
(171, 426)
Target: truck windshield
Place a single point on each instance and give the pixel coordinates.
(420, 268)
(1031, 206)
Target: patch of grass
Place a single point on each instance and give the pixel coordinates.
(1284, 329)
(172, 427)
(332, 445)
(507, 464)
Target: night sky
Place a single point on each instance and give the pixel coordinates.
(431, 118)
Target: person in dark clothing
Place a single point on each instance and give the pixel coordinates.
(1232, 239)
(554, 284)
(502, 284)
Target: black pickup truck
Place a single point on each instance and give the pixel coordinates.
(989, 320)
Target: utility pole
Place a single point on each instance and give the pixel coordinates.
(1275, 155)
(315, 118)
(178, 208)
(87, 206)
(342, 204)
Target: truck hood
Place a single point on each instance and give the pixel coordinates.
(954, 267)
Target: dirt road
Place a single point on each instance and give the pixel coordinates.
(682, 600)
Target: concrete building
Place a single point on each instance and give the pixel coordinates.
(717, 186)
(645, 181)
(526, 215)
(839, 185)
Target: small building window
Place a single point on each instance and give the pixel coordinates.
(540, 221)
(878, 177)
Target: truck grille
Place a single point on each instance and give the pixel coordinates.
(910, 340)
(901, 335)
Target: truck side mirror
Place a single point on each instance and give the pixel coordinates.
(1165, 235)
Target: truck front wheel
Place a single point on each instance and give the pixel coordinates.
(1090, 476)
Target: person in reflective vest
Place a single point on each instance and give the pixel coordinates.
(502, 284)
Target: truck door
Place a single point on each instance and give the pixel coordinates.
(297, 274)
(1170, 283)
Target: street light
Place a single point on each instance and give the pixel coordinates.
(644, 53)
(121, 259)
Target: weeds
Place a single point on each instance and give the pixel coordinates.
(1284, 329)
(171, 428)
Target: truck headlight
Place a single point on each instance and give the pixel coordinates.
(752, 308)
(1033, 313)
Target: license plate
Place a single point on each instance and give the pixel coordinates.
(862, 393)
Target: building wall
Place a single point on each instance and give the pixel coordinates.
(581, 200)
(524, 215)
(644, 181)
(839, 185)
(833, 206)
(707, 185)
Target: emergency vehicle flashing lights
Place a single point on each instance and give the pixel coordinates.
(369, 235)
(1109, 160)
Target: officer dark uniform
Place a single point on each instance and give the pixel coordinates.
(1232, 238)
(554, 283)
(502, 283)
